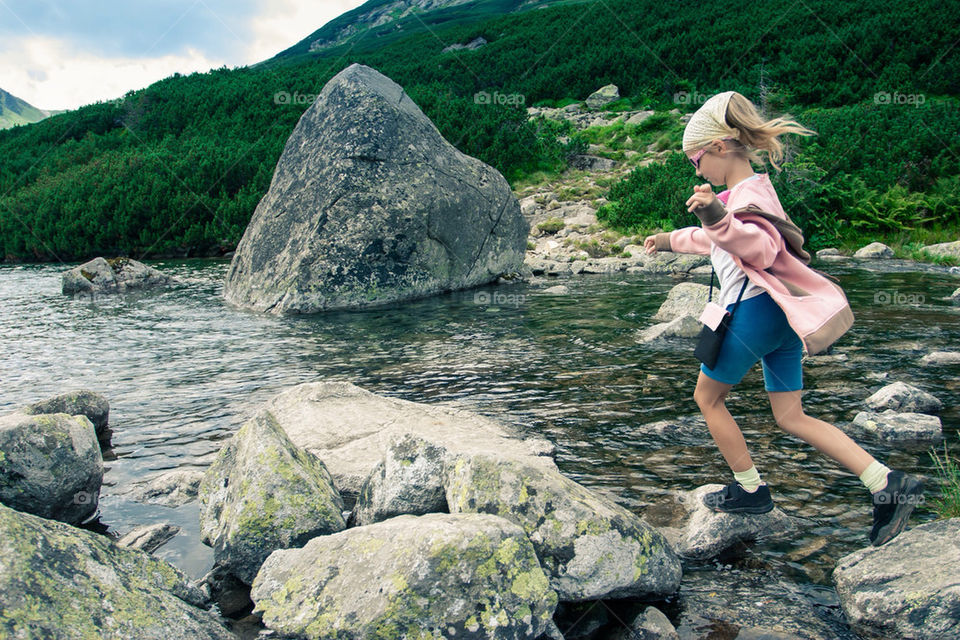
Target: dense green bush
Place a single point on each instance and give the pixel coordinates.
(181, 164)
(652, 197)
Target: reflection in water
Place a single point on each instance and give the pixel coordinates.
(182, 370)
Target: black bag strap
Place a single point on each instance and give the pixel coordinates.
(736, 304)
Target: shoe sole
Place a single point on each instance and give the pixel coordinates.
(901, 514)
(752, 510)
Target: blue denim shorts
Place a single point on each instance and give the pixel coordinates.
(759, 331)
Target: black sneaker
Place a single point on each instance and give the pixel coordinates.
(892, 506)
(733, 498)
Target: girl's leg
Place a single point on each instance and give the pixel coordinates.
(829, 440)
(709, 396)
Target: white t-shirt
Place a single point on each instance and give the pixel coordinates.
(729, 275)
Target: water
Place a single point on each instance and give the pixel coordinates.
(182, 370)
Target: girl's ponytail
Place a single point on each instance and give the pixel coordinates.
(759, 133)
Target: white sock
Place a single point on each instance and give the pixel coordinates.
(749, 479)
(874, 477)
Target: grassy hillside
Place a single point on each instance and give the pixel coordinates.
(14, 111)
(180, 166)
(357, 30)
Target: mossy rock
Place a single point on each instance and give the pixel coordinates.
(434, 576)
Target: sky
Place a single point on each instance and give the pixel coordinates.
(62, 54)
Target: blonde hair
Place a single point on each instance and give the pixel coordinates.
(762, 135)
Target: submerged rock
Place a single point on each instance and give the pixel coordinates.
(682, 327)
(58, 581)
(900, 396)
(171, 488)
(906, 588)
(436, 575)
(50, 465)
(263, 493)
(150, 537)
(111, 276)
(369, 205)
(896, 426)
(940, 358)
(589, 546)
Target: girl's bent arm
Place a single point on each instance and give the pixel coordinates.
(756, 243)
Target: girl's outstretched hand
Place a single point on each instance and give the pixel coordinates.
(702, 196)
(650, 244)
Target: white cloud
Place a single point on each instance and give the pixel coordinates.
(50, 73)
(284, 23)
(57, 73)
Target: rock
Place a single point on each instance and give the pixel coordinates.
(945, 249)
(639, 117)
(900, 396)
(754, 605)
(263, 493)
(685, 299)
(906, 588)
(350, 428)
(703, 534)
(476, 43)
(603, 265)
(87, 403)
(680, 427)
(58, 581)
(652, 624)
(171, 488)
(603, 96)
(895, 426)
(589, 546)
(941, 358)
(558, 290)
(829, 251)
(50, 465)
(955, 296)
(149, 538)
(874, 250)
(370, 205)
(462, 575)
(585, 162)
(682, 327)
(111, 276)
(409, 480)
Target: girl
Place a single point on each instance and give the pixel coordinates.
(786, 307)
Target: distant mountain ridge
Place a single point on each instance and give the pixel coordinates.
(378, 22)
(14, 111)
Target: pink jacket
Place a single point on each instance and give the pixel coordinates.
(764, 242)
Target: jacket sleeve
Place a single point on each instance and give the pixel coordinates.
(755, 242)
(688, 240)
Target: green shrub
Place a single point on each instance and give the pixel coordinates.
(948, 473)
(551, 225)
(652, 197)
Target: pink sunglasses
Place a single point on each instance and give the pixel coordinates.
(699, 154)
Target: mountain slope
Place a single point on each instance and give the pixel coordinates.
(14, 111)
(379, 22)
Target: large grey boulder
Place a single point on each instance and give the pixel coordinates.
(84, 402)
(589, 546)
(908, 587)
(368, 205)
(945, 249)
(350, 428)
(437, 575)
(50, 465)
(262, 493)
(117, 275)
(61, 582)
(900, 396)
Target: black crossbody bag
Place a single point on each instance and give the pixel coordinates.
(710, 341)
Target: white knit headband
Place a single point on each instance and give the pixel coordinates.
(709, 123)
